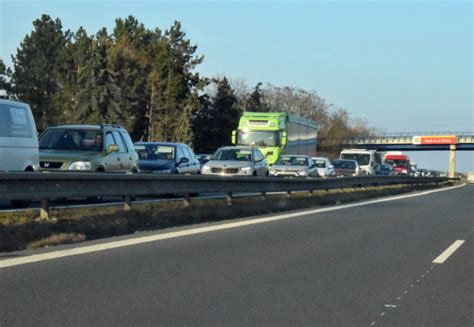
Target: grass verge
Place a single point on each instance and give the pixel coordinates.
(22, 230)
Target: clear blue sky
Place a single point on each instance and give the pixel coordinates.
(401, 65)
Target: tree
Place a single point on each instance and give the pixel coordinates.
(255, 101)
(214, 123)
(35, 78)
(173, 87)
(98, 96)
(5, 74)
(129, 58)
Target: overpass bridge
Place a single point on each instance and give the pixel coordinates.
(417, 141)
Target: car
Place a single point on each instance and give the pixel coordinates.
(386, 170)
(166, 158)
(347, 167)
(294, 166)
(18, 137)
(93, 148)
(203, 158)
(238, 161)
(325, 167)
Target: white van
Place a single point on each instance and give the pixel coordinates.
(369, 160)
(18, 137)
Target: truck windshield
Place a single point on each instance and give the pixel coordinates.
(362, 159)
(259, 138)
(397, 163)
(71, 139)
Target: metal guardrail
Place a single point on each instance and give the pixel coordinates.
(46, 186)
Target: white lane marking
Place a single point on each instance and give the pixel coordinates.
(199, 230)
(448, 252)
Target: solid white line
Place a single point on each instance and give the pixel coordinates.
(448, 252)
(199, 230)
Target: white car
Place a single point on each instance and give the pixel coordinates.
(18, 137)
(325, 167)
(236, 160)
(294, 166)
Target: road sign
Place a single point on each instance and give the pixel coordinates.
(435, 140)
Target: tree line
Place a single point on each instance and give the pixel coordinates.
(146, 80)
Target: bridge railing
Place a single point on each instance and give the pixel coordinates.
(48, 186)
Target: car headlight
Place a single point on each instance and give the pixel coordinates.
(303, 173)
(206, 168)
(246, 169)
(272, 172)
(80, 165)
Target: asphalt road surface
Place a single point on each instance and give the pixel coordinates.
(367, 265)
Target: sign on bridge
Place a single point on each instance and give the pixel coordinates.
(435, 140)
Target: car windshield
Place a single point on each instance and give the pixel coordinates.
(386, 168)
(292, 161)
(71, 139)
(362, 159)
(344, 164)
(155, 152)
(320, 163)
(233, 155)
(259, 138)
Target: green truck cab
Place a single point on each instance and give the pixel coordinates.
(277, 133)
(107, 148)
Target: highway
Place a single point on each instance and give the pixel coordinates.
(352, 265)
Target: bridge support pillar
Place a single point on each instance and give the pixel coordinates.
(452, 161)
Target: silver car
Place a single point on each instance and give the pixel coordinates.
(294, 166)
(236, 160)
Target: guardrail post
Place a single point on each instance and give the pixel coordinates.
(229, 198)
(127, 206)
(263, 196)
(311, 192)
(44, 210)
(288, 194)
(187, 200)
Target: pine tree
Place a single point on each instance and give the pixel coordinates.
(214, 123)
(35, 78)
(173, 86)
(5, 74)
(129, 58)
(98, 96)
(255, 101)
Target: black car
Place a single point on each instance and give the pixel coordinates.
(166, 158)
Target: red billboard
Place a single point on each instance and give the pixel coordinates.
(435, 140)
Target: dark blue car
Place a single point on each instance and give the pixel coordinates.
(166, 158)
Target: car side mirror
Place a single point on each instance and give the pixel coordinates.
(112, 148)
(331, 167)
(183, 160)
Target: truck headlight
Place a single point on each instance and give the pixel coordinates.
(80, 165)
(303, 173)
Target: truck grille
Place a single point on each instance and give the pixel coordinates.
(225, 170)
(50, 165)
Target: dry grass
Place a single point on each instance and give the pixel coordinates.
(57, 239)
